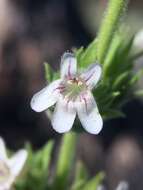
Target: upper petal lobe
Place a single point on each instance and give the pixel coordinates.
(92, 75)
(68, 65)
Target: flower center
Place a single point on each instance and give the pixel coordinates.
(73, 88)
(4, 172)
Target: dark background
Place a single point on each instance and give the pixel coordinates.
(33, 32)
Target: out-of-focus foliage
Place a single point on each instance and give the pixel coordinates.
(37, 175)
(36, 171)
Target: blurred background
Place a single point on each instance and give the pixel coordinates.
(32, 32)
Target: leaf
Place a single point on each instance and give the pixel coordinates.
(121, 80)
(56, 75)
(48, 72)
(45, 156)
(78, 185)
(89, 54)
(78, 53)
(37, 169)
(110, 58)
(94, 182)
(81, 172)
(136, 77)
(120, 62)
(113, 113)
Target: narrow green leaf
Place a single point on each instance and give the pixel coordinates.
(37, 168)
(121, 79)
(78, 185)
(114, 113)
(110, 59)
(95, 182)
(48, 72)
(89, 55)
(81, 172)
(46, 156)
(136, 77)
(78, 53)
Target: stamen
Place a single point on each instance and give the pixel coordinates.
(73, 88)
(79, 83)
(70, 81)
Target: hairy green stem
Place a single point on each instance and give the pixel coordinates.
(113, 14)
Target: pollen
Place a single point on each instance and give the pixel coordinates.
(80, 83)
(73, 88)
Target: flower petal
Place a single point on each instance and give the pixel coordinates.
(68, 65)
(46, 97)
(63, 116)
(17, 162)
(89, 115)
(5, 186)
(92, 75)
(123, 185)
(3, 154)
(100, 187)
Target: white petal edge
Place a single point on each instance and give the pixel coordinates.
(138, 40)
(5, 186)
(63, 116)
(89, 115)
(68, 65)
(92, 75)
(46, 97)
(100, 187)
(123, 185)
(3, 154)
(16, 163)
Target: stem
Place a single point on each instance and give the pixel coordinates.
(109, 25)
(65, 160)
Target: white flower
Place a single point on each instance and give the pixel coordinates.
(72, 94)
(138, 40)
(123, 185)
(10, 168)
(101, 187)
